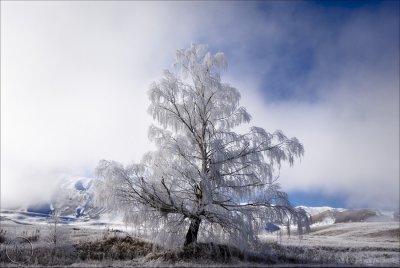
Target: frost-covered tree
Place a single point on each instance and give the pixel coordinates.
(204, 180)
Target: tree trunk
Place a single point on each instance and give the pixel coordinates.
(191, 236)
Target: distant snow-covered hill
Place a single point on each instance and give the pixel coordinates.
(321, 215)
(73, 198)
(329, 215)
(317, 210)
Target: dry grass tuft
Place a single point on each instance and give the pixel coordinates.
(115, 248)
(206, 252)
(3, 236)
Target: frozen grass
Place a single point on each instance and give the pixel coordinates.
(369, 244)
(358, 243)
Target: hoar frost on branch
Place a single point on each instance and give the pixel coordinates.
(204, 180)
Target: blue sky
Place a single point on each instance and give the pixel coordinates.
(75, 76)
(316, 25)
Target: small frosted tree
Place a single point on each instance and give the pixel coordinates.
(204, 179)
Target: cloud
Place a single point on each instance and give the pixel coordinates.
(351, 149)
(74, 83)
(350, 125)
(75, 77)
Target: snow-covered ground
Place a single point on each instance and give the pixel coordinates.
(374, 243)
(368, 243)
(101, 221)
(360, 243)
(355, 234)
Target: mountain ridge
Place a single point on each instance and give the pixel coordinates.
(74, 200)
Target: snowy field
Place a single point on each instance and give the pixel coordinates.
(366, 243)
(358, 243)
